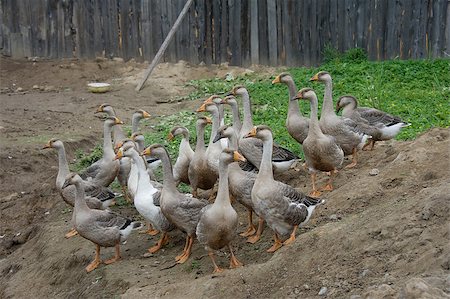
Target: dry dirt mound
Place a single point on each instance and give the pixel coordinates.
(377, 236)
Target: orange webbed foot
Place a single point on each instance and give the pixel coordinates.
(290, 240)
(253, 239)
(183, 259)
(251, 230)
(315, 193)
(112, 260)
(351, 165)
(71, 233)
(277, 245)
(327, 187)
(235, 263)
(93, 265)
(217, 270)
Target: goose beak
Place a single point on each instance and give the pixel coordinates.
(298, 96)
(208, 120)
(229, 94)
(117, 146)
(145, 114)
(66, 184)
(276, 80)
(315, 77)
(202, 108)
(146, 152)
(338, 107)
(170, 136)
(99, 109)
(217, 137)
(118, 121)
(119, 154)
(252, 133)
(47, 145)
(238, 157)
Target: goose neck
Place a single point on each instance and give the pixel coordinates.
(265, 169)
(169, 181)
(63, 167)
(247, 124)
(293, 108)
(108, 152)
(328, 108)
(80, 200)
(223, 194)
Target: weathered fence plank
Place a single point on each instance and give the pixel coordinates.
(273, 32)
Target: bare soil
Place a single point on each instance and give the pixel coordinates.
(382, 236)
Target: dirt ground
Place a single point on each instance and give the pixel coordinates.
(383, 236)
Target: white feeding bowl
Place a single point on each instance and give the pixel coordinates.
(99, 87)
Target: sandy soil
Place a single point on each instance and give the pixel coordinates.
(383, 236)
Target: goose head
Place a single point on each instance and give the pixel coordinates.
(239, 90)
(106, 108)
(140, 114)
(213, 99)
(72, 179)
(208, 106)
(111, 121)
(262, 132)
(224, 131)
(322, 76)
(137, 137)
(229, 156)
(346, 100)
(305, 94)
(53, 143)
(229, 100)
(122, 143)
(126, 150)
(155, 150)
(282, 78)
(176, 131)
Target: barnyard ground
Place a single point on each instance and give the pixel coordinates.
(377, 236)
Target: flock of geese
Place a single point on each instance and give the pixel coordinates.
(237, 165)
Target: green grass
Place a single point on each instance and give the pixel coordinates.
(416, 90)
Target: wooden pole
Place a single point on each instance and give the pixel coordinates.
(164, 45)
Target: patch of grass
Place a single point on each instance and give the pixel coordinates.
(83, 159)
(416, 90)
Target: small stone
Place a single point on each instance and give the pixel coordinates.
(364, 273)
(19, 89)
(35, 86)
(296, 291)
(323, 291)
(333, 217)
(118, 59)
(47, 213)
(306, 287)
(355, 297)
(374, 172)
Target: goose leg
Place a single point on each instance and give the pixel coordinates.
(150, 230)
(251, 230)
(71, 233)
(94, 264)
(354, 159)
(178, 257)
(276, 245)
(329, 185)
(217, 269)
(162, 241)
(234, 262)
(371, 143)
(253, 239)
(292, 237)
(125, 193)
(116, 257)
(314, 192)
(187, 253)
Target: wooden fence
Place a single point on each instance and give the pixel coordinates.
(241, 32)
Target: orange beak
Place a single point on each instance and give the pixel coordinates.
(146, 152)
(276, 80)
(145, 114)
(119, 154)
(208, 120)
(315, 77)
(238, 157)
(118, 121)
(118, 145)
(47, 145)
(170, 136)
(252, 133)
(99, 109)
(202, 108)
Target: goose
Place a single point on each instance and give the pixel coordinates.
(98, 197)
(182, 210)
(282, 207)
(321, 151)
(152, 163)
(104, 171)
(240, 184)
(231, 101)
(383, 126)
(102, 227)
(147, 197)
(297, 125)
(199, 173)
(218, 222)
(252, 148)
(117, 131)
(214, 149)
(185, 154)
(347, 136)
